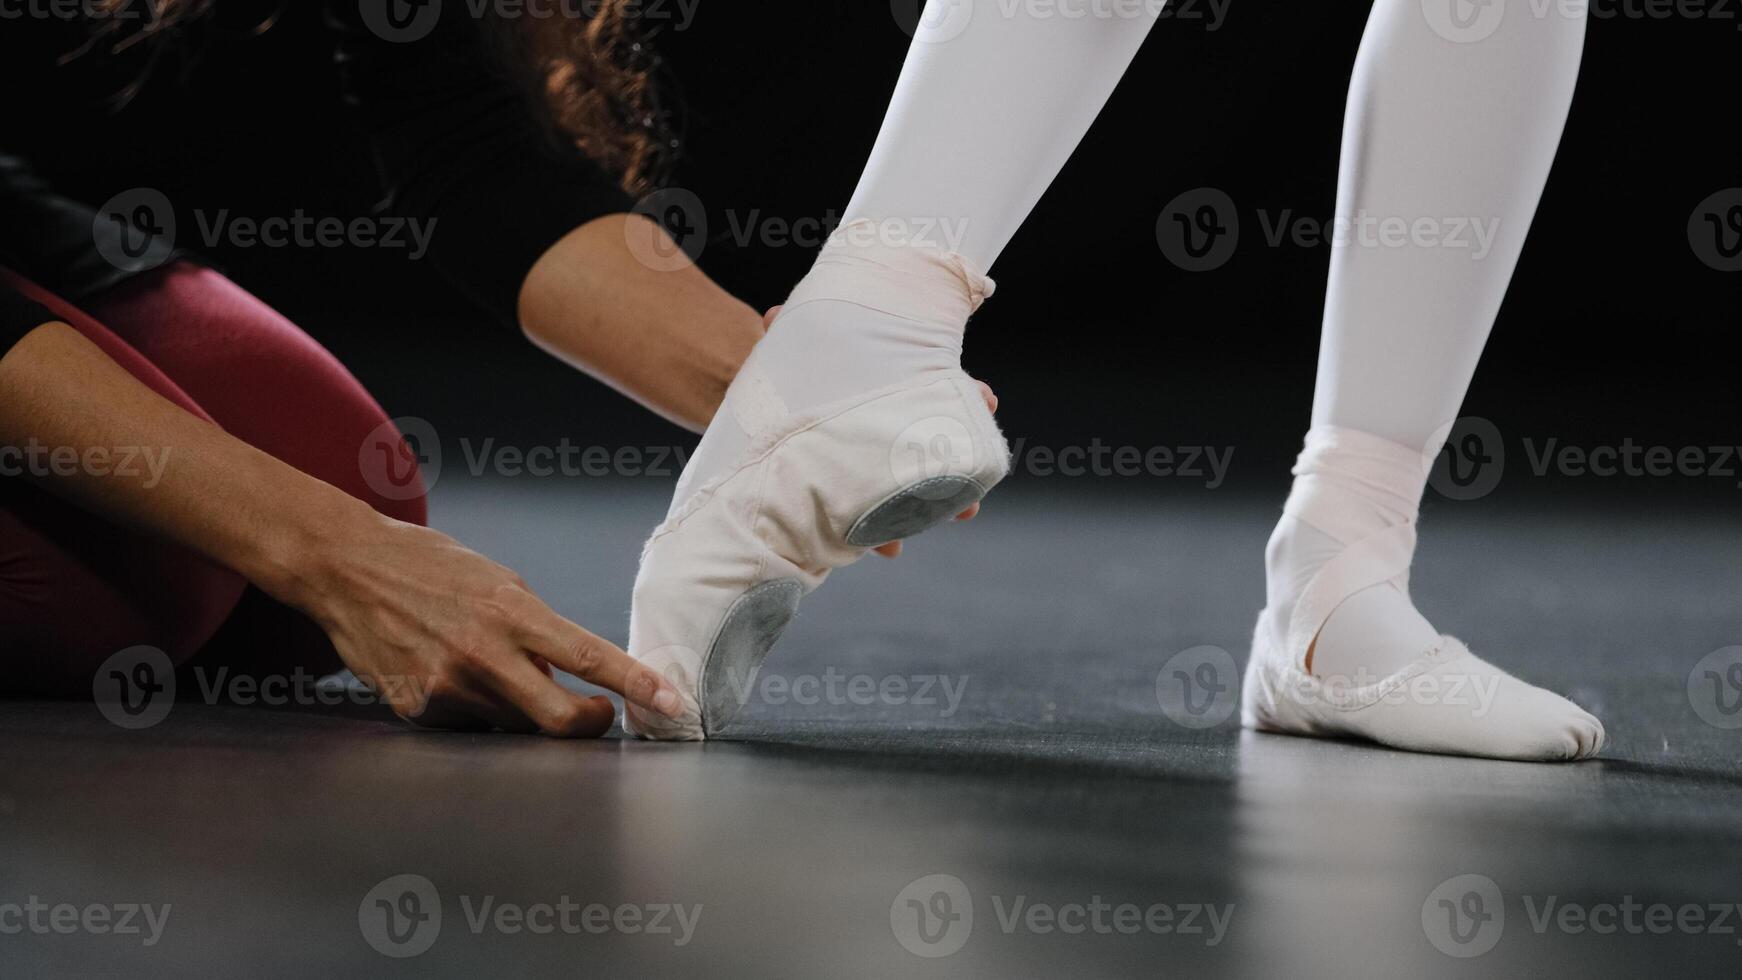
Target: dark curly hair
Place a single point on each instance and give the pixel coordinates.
(593, 75)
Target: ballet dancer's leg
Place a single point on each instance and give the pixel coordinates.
(1445, 126)
(852, 423)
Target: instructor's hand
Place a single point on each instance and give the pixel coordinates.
(452, 639)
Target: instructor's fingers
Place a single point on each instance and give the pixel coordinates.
(598, 661)
(991, 397)
(986, 392)
(547, 705)
(768, 318)
(449, 706)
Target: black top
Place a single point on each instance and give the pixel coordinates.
(455, 138)
(18, 316)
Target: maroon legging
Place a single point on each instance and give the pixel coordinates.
(75, 588)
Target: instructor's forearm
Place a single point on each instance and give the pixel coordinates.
(667, 337)
(188, 481)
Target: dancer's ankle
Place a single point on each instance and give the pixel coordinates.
(1350, 487)
(896, 276)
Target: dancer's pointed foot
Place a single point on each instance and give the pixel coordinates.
(851, 427)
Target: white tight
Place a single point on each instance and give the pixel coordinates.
(1451, 125)
(1457, 129)
(1452, 132)
(1452, 122)
(983, 120)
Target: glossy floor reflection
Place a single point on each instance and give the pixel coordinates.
(976, 751)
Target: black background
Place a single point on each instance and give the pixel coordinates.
(1613, 328)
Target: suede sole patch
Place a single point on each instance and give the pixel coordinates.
(751, 626)
(912, 509)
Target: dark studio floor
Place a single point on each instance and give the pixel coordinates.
(1018, 741)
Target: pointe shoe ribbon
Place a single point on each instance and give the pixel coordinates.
(923, 284)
